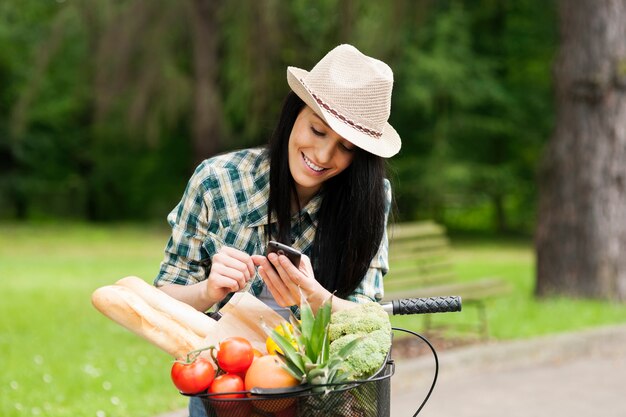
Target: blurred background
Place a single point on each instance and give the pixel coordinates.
(107, 106)
(511, 115)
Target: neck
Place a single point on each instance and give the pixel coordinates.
(301, 200)
(297, 204)
(304, 195)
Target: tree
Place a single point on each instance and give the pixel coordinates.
(207, 118)
(461, 90)
(106, 106)
(581, 228)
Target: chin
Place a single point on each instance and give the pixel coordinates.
(307, 182)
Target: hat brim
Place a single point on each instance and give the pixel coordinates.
(385, 146)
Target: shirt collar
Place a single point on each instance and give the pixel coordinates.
(313, 206)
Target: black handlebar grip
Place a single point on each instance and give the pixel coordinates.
(427, 305)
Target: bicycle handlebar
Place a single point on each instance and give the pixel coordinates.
(423, 305)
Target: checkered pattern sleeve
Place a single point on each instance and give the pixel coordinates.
(186, 261)
(371, 287)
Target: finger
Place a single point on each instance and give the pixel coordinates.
(290, 269)
(295, 277)
(270, 286)
(241, 256)
(262, 262)
(291, 277)
(233, 274)
(268, 269)
(258, 260)
(277, 287)
(225, 258)
(220, 282)
(274, 261)
(282, 273)
(262, 273)
(305, 265)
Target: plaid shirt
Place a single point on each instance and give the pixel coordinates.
(225, 203)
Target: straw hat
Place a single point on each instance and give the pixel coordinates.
(352, 93)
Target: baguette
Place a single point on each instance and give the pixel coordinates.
(128, 309)
(184, 314)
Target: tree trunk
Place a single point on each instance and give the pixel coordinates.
(346, 20)
(263, 48)
(581, 230)
(207, 113)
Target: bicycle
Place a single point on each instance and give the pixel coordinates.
(363, 398)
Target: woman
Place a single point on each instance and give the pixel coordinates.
(319, 186)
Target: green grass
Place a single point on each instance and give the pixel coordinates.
(519, 314)
(60, 357)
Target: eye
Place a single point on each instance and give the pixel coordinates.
(347, 147)
(317, 132)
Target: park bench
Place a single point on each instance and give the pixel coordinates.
(421, 266)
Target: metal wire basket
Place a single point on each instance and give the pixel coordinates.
(367, 398)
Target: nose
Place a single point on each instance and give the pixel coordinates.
(326, 151)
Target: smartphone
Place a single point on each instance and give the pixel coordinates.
(281, 249)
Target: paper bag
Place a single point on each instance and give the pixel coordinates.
(242, 316)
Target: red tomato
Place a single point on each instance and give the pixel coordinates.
(227, 383)
(235, 355)
(193, 377)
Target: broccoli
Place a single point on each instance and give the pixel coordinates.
(369, 354)
(370, 321)
(364, 318)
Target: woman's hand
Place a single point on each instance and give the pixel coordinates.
(286, 281)
(231, 270)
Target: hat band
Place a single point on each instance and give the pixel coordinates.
(341, 117)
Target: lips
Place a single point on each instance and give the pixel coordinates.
(311, 165)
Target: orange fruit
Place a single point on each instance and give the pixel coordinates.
(268, 372)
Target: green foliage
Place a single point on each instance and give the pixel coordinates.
(312, 360)
(475, 142)
(97, 100)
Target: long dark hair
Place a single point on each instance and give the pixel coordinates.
(351, 218)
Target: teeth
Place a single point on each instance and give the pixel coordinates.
(311, 165)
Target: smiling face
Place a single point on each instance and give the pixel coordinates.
(316, 154)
